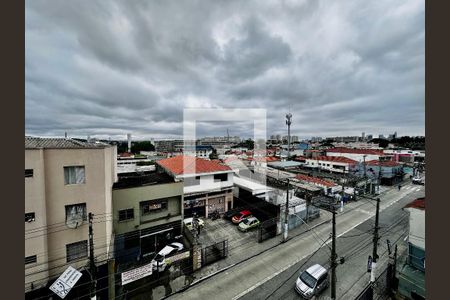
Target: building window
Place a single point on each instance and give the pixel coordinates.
(75, 214)
(30, 259)
(28, 173)
(74, 175)
(190, 181)
(29, 217)
(149, 207)
(126, 214)
(220, 177)
(77, 250)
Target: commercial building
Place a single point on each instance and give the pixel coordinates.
(65, 180)
(338, 164)
(147, 214)
(388, 172)
(358, 155)
(328, 187)
(208, 185)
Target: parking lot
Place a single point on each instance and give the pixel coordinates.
(221, 229)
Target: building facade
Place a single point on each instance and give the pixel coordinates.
(148, 214)
(64, 181)
(208, 185)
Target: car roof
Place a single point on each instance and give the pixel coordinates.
(166, 250)
(187, 220)
(316, 270)
(245, 212)
(252, 218)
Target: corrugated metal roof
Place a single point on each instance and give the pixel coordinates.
(60, 143)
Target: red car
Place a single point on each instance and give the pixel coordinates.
(241, 216)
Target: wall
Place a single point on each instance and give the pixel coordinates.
(417, 227)
(355, 156)
(35, 232)
(207, 184)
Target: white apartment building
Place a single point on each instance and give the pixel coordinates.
(64, 181)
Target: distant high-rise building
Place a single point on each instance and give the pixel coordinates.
(395, 135)
(363, 136)
(278, 137)
(380, 136)
(369, 137)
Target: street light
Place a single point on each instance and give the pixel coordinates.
(288, 123)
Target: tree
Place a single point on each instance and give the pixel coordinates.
(136, 147)
(213, 154)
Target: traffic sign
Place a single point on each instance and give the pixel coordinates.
(65, 282)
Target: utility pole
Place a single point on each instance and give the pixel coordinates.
(91, 259)
(333, 258)
(288, 123)
(286, 214)
(375, 244)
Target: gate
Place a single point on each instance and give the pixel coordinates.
(379, 290)
(267, 230)
(214, 252)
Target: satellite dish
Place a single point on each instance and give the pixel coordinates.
(74, 218)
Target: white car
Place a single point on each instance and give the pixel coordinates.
(188, 223)
(160, 258)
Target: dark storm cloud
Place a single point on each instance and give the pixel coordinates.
(106, 68)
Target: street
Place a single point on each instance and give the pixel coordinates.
(275, 271)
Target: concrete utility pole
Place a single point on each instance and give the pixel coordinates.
(286, 214)
(93, 270)
(333, 258)
(288, 123)
(375, 245)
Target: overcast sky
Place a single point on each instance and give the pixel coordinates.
(108, 68)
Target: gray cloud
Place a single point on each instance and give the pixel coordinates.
(108, 68)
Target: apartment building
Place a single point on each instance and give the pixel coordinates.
(208, 185)
(65, 180)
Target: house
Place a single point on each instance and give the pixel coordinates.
(208, 185)
(338, 164)
(198, 151)
(358, 155)
(327, 186)
(147, 214)
(65, 180)
(411, 274)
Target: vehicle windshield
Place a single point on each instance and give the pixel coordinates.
(246, 221)
(159, 257)
(308, 279)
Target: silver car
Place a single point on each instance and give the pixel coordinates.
(312, 281)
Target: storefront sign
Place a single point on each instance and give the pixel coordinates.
(136, 274)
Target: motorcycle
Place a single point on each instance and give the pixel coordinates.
(214, 215)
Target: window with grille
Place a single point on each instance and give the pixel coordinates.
(74, 175)
(76, 211)
(77, 250)
(28, 173)
(30, 259)
(220, 177)
(126, 214)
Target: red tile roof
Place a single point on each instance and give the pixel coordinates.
(419, 203)
(355, 151)
(315, 180)
(383, 163)
(175, 165)
(339, 159)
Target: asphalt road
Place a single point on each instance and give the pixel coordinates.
(355, 246)
(272, 274)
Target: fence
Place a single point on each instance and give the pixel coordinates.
(267, 230)
(214, 252)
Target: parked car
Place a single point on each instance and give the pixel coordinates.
(248, 223)
(188, 223)
(418, 180)
(312, 281)
(160, 258)
(241, 216)
(231, 213)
